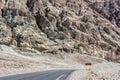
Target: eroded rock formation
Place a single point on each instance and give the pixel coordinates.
(55, 26)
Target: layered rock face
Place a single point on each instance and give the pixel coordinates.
(61, 26)
(109, 9)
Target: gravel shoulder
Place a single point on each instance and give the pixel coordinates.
(101, 71)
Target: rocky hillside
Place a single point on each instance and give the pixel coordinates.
(62, 26)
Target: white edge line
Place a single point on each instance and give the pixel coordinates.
(60, 77)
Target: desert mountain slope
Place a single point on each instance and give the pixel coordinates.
(62, 26)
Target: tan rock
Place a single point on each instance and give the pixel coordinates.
(44, 23)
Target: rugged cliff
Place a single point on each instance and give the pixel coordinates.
(62, 26)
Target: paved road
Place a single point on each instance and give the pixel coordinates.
(46, 75)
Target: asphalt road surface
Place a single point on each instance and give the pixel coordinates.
(46, 75)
